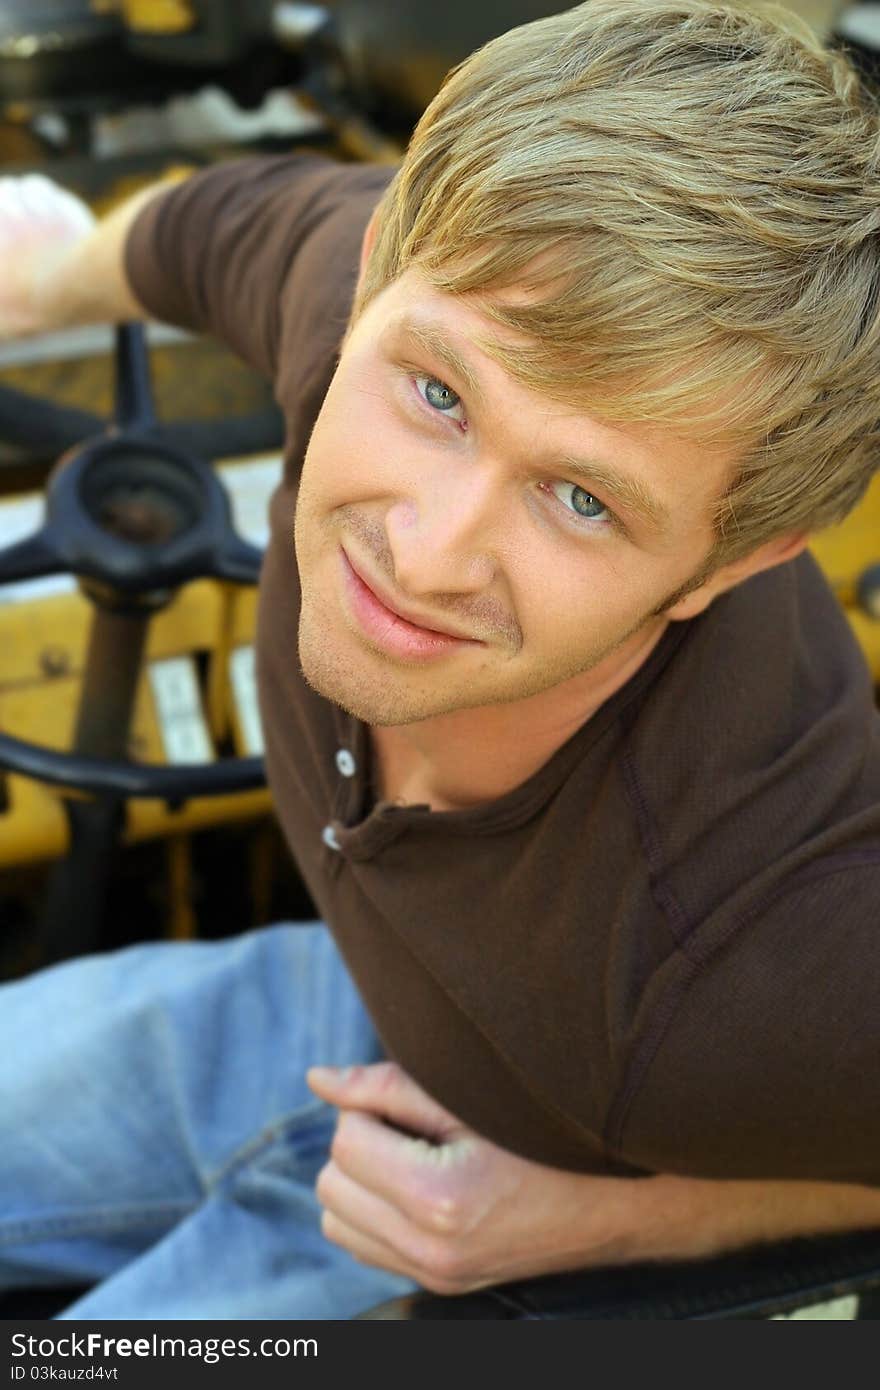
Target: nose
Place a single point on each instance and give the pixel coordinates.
(443, 534)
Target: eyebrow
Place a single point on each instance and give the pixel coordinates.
(433, 340)
(631, 493)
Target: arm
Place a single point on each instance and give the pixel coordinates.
(232, 251)
(61, 268)
(457, 1213)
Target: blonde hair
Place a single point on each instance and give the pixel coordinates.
(690, 194)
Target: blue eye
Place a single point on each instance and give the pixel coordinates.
(581, 502)
(439, 396)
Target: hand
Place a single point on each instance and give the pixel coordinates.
(40, 223)
(455, 1212)
(444, 1206)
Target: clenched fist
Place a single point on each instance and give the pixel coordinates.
(40, 224)
(446, 1207)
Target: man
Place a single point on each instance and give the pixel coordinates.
(569, 737)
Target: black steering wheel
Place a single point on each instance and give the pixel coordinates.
(133, 517)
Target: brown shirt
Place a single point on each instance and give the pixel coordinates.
(662, 951)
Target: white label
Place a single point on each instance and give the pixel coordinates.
(19, 518)
(182, 724)
(835, 1310)
(244, 692)
(250, 485)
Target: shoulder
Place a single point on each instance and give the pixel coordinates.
(757, 750)
(321, 255)
(297, 189)
(217, 251)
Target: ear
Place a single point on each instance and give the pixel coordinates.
(367, 243)
(773, 552)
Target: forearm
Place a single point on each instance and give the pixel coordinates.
(58, 280)
(455, 1212)
(672, 1218)
(88, 284)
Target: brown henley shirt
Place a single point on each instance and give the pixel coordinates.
(662, 951)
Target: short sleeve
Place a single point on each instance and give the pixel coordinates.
(763, 1058)
(212, 254)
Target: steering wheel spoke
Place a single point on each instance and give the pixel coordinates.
(134, 393)
(237, 560)
(31, 558)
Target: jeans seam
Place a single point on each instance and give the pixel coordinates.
(118, 1218)
(262, 1141)
(130, 1217)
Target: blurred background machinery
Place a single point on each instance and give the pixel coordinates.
(103, 96)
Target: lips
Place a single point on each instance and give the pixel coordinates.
(407, 614)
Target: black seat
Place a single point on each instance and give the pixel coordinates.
(760, 1282)
(37, 1304)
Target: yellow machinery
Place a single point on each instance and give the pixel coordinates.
(194, 701)
(196, 696)
(847, 553)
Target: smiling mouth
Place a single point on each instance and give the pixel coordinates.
(401, 613)
(390, 631)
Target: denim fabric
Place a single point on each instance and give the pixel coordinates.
(158, 1135)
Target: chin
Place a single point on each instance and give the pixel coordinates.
(378, 698)
(364, 700)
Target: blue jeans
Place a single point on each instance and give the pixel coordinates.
(158, 1137)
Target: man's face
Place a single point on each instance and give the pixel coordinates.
(529, 546)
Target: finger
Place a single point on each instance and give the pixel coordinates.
(365, 1249)
(423, 1181)
(442, 1278)
(371, 1215)
(384, 1089)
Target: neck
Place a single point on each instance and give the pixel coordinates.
(473, 756)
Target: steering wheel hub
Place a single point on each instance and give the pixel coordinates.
(137, 496)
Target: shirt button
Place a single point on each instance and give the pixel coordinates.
(345, 763)
(328, 835)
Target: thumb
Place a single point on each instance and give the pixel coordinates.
(384, 1089)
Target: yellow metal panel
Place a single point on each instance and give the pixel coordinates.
(159, 16)
(47, 637)
(34, 825)
(846, 550)
(44, 643)
(244, 616)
